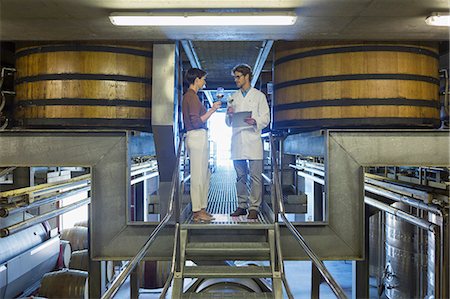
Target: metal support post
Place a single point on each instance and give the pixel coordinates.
(360, 269)
(134, 283)
(316, 279)
(96, 283)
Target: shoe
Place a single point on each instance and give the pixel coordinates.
(252, 214)
(209, 214)
(200, 216)
(239, 212)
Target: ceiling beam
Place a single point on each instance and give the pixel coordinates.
(195, 63)
(261, 60)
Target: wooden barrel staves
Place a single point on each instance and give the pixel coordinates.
(65, 284)
(77, 236)
(84, 86)
(79, 260)
(356, 85)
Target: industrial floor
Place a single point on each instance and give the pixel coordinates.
(221, 202)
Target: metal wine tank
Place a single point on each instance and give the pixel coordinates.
(25, 256)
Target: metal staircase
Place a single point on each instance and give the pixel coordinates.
(227, 245)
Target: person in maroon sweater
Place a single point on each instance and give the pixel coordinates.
(195, 117)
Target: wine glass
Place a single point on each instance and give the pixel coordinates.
(220, 93)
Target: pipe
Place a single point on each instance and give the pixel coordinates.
(144, 177)
(6, 211)
(402, 198)
(383, 192)
(311, 177)
(45, 188)
(401, 214)
(399, 187)
(6, 231)
(313, 170)
(142, 168)
(313, 165)
(6, 171)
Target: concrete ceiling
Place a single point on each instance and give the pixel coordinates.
(220, 48)
(317, 19)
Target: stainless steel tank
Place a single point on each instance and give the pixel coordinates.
(25, 257)
(374, 245)
(405, 260)
(19, 242)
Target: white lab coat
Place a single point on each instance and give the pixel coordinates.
(246, 143)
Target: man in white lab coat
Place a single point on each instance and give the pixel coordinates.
(246, 143)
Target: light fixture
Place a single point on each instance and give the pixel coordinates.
(204, 19)
(438, 19)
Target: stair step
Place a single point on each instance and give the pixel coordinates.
(227, 295)
(227, 249)
(227, 272)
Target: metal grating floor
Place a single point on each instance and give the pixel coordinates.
(222, 200)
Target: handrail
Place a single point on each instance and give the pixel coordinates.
(172, 267)
(335, 287)
(120, 279)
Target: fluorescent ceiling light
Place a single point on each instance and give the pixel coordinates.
(438, 19)
(204, 19)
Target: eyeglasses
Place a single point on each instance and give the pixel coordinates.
(238, 77)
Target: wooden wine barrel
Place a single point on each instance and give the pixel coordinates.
(65, 284)
(65, 255)
(77, 236)
(84, 85)
(81, 223)
(154, 273)
(356, 85)
(79, 260)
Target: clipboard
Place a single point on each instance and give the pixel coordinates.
(239, 119)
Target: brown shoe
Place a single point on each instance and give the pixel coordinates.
(239, 212)
(209, 214)
(252, 214)
(201, 217)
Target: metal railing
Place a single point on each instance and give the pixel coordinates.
(278, 209)
(173, 206)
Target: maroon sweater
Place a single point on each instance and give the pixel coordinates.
(192, 110)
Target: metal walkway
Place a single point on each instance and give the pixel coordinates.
(222, 201)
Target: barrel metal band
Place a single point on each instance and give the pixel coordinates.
(378, 122)
(358, 102)
(102, 77)
(85, 102)
(336, 78)
(80, 48)
(86, 122)
(338, 50)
